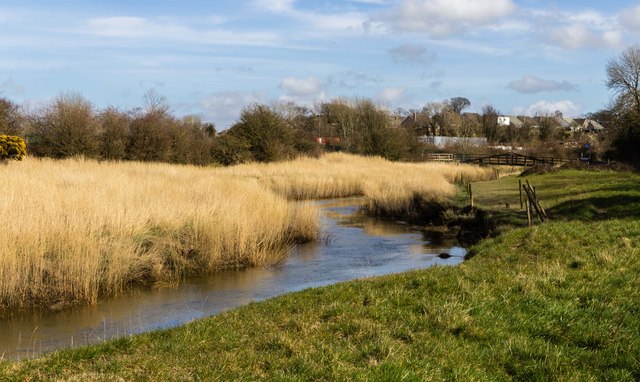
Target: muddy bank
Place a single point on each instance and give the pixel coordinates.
(442, 218)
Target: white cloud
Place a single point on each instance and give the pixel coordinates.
(630, 19)
(126, 27)
(224, 108)
(533, 84)
(576, 30)
(303, 91)
(302, 87)
(572, 36)
(391, 94)
(412, 54)
(542, 107)
(612, 38)
(327, 22)
(578, 36)
(440, 18)
(275, 5)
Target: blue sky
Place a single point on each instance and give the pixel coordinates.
(214, 57)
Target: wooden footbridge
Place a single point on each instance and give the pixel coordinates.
(506, 159)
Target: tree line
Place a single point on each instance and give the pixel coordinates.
(71, 126)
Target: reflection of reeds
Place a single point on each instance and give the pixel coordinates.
(74, 230)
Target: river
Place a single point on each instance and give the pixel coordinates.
(351, 246)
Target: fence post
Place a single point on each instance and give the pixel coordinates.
(520, 190)
(470, 195)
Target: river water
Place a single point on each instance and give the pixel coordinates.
(352, 246)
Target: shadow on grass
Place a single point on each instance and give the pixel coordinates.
(597, 208)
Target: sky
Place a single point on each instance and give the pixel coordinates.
(212, 58)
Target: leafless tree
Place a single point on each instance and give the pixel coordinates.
(490, 122)
(623, 77)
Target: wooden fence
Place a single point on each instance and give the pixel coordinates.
(507, 159)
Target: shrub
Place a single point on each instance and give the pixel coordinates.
(12, 147)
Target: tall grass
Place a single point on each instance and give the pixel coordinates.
(76, 230)
(388, 187)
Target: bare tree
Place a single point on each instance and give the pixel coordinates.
(10, 118)
(623, 75)
(490, 122)
(67, 127)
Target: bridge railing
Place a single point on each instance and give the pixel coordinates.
(506, 159)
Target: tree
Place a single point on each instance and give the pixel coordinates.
(338, 120)
(265, 132)
(490, 122)
(10, 118)
(623, 77)
(67, 127)
(459, 103)
(150, 134)
(114, 133)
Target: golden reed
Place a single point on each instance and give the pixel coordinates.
(76, 230)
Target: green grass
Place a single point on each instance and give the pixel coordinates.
(558, 301)
(566, 195)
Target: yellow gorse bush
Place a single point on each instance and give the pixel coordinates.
(12, 147)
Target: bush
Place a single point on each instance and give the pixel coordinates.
(12, 147)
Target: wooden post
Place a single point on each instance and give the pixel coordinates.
(470, 195)
(542, 215)
(528, 214)
(520, 189)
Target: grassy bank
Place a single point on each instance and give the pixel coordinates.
(76, 230)
(566, 195)
(554, 302)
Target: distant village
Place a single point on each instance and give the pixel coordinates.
(474, 121)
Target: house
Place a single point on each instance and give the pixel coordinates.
(567, 124)
(515, 121)
(510, 120)
(410, 122)
(574, 125)
(592, 126)
(529, 121)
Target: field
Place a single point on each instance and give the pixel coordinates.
(554, 302)
(76, 230)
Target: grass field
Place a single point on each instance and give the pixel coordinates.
(76, 230)
(558, 301)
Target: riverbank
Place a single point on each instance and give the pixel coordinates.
(554, 302)
(80, 230)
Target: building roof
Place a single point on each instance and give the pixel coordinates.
(515, 121)
(409, 122)
(592, 125)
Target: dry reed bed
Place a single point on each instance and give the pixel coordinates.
(389, 188)
(76, 230)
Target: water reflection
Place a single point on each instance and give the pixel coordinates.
(352, 246)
